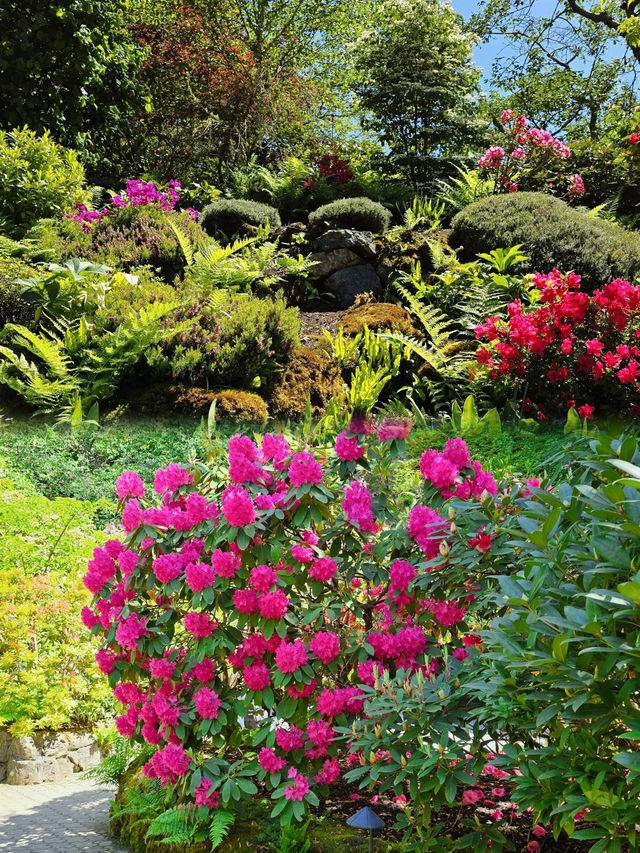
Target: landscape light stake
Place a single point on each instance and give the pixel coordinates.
(366, 819)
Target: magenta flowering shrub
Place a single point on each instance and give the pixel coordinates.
(529, 158)
(137, 193)
(571, 350)
(276, 586)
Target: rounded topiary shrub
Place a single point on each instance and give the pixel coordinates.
(230, 215)
(362, 214)
(552, 234)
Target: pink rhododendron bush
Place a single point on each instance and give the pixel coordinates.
(280, 587)
(529, 158)
(570, 349)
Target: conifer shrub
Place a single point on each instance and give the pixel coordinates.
(362, 214)
(230, 215)
(552, 234)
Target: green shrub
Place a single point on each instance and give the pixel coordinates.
(13, 308)
(229, 215)
(38, 178)
(359, 213)
(552, 234)
(564, 649)
(48, 676)
(126, 296)
(231, 340)
(129, 237)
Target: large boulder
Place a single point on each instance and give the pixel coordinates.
(350, 282)
(326, 263)
(360, 242)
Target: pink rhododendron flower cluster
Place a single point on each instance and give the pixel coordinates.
(279, 589)
(528, 155)
(572, 349)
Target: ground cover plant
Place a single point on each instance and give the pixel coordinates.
(48, 676)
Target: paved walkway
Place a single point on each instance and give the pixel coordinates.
(63, 817)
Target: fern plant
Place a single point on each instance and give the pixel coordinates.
(443, 365)
(469, 186)
(51, 370)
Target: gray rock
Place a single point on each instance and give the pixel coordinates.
(360, 242)
(326, 263)
(351, 281)
(5, 737)
(42, 770)
(85, 758)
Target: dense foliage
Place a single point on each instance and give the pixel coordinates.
(48, 678)
(551, 234)
(70, 68)
(39, 178)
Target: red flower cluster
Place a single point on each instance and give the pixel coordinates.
(333, 169)
(571, 346)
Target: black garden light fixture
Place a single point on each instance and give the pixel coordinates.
(366, 819)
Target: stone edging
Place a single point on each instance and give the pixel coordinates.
(46, 756)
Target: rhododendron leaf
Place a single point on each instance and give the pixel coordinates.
(279, 806)
(247, 786)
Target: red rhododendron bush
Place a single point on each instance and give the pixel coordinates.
(278, 586)
(571, 349)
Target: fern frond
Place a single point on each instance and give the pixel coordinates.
(221, 823)
(186, 247)
(176, 826)
(50, 350)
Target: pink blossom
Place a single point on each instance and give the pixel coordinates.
(273, 605)
(207, 703)
(256, 676)
(199, 576)
(129, 485)
(225, 564)
(290, 739)
(291, 656)
(427, 528)
(401, 574)
(298, 790)
(394, 429)
(199, 624)
(270, 762)
(203, 797)
(323, 569)
(301, 553)
(131, 515)
(304, 469)
(171, 478)
(325, 646)
(357, 506)
(347, 448)
(130, 630)
(329, 773)
(262, 578)
(245, 601)
(238, 507)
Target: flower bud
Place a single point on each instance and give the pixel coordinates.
(372, 757)
(453, 528)
(442, 694)
(444, 549)
(376, 730)
(452, 513)
(403, 761)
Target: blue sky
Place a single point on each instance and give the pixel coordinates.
(484, 54)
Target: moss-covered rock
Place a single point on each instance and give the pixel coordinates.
(308, 373)
(379, 317)
(159, 398)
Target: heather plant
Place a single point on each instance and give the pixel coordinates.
(39, 178)
(135, 229)
(226, 340)
(272, 585)
(569, 350)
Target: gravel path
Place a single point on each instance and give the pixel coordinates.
(62, 817)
